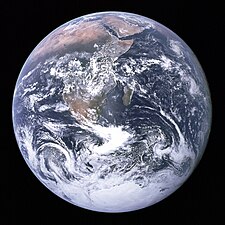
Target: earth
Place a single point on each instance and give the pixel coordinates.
(112, 112)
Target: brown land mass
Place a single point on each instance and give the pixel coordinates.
(82, 33)
(121, 27)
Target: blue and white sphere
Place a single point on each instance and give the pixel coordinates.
(112, 112)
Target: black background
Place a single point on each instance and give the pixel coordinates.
(25, 200)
